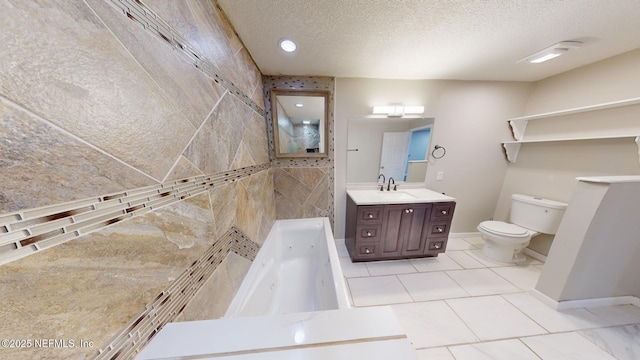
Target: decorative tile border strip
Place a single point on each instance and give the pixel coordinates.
(244, 246)
(148, 20)
(135, 335)
(26, 232)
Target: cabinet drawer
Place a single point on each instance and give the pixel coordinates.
(370, 214)
(442, 211)
(368, 233)
(439, 245)
(365, 250)
(439, 229)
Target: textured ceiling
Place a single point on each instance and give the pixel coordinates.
(431, 39)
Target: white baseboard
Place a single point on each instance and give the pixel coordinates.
(464, 234)
(534, 254)
(585, 303)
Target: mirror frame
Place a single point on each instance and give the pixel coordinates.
(274, 122)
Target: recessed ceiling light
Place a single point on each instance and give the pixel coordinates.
(299, 105)
(287, 45)
(551, 52)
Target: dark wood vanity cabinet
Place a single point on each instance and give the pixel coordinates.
(397, 231)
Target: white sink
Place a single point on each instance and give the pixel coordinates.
(405, 196)
(394, 195)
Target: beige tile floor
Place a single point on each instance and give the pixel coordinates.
(462, 306)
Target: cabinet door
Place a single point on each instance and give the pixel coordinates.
(416, 235)
(393, 229)
(403, 230)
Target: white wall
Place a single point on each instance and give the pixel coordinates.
(470, 122)
(549, 169)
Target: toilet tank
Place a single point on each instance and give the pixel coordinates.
(538, 214)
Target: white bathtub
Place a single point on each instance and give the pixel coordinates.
(296, 270)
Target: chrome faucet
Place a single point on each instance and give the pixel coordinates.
(384, 179)
(389, 184)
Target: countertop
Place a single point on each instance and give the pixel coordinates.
(402, 196)
(364, 333)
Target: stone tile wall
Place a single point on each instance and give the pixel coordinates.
(304, 187)
(133, 142)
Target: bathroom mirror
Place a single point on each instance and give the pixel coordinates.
(395, 147)
(299, 123)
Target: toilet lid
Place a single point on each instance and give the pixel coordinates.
(503, 228)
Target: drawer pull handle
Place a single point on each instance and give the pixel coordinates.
(369, 233)
(407, 211)
(439, 229)
(370, 216)
(367, 251)
(443, 212)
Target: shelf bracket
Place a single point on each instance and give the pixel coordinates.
(512, 150)
(518, 128)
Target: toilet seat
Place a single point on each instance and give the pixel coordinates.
(505, 229)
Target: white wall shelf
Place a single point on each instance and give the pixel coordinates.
(519, 127)
(513, 147)
(519, 124)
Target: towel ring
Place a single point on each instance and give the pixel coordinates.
(436, 148)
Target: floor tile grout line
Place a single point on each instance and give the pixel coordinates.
(461, 319)
(413, 300)
(455, 282)
(502, 295)
(580, 332)
(462, 266)
(509, 281)
(527, 346)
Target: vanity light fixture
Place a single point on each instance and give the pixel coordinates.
(288, 45)
(551, 52)
(398, 110)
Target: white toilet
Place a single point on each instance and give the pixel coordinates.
(530, 216)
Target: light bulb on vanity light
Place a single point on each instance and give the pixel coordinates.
(398, 110)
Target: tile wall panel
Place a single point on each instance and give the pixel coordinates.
(204, 26)
(214, 147)
(33, 230)
(268, 207)
(213, 299)
(184, 298)
(256, 139)
(41, 165)
(294, 195)
(145, 253)
(250, 210)
(73, 72)
(142, 253)
(301, 192)
(224, 202)
(101, 104)
(189, 90)
(182, 169)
